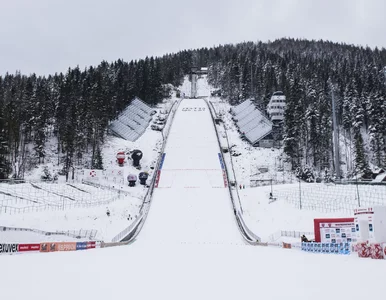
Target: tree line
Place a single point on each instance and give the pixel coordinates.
(76, 107)
(308, 72)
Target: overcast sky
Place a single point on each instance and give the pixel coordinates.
(48, 36)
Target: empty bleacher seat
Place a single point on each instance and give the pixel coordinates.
(133, 121)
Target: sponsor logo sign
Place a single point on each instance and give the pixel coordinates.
(91, 245)
(81, 245)
(71, 246)
(9, 248)
(157, 178)
(341, 248)
(29, 247)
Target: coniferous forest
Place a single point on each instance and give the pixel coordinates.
(77, 106)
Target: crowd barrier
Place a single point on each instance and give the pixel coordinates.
(335, 248)
(48, 247)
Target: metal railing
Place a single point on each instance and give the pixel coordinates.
(82, 233)
(247, 234)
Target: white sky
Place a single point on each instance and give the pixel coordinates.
(45, 36)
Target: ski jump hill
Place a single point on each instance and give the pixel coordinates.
(191, 202)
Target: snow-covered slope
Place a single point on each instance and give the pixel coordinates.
(191, 203)
(63, 207)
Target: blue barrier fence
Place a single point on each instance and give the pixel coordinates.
(334, 248)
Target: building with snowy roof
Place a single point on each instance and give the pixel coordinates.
(276, 107)
(133, 121)
(251, 122)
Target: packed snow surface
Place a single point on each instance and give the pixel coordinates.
(186, 271)
(191, 203)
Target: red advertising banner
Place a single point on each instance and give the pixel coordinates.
(91, 245)
(224, 175)
(157, 178)
(29, 247)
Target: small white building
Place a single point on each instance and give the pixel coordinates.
(276, 106)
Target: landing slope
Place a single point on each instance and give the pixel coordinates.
(191, 203)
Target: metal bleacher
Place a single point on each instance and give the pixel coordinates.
(142, 105)
(242, 106)
(133, 121)
(251, 121)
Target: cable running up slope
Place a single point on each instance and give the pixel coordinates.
(191, 202)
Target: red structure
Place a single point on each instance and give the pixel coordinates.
(121, 158)
(330, 222)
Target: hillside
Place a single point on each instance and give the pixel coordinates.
(77, 107)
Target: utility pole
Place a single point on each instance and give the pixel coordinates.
(336, 139)
(356, 179)
(252, 82)
(300, 194)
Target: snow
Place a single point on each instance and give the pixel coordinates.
(190, 247)
(187, 271)
(191, 185)
(61, 207)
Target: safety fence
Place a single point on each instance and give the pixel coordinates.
(106, 187)
(48, 192)
(53, 207)
(82, 233)
(332, 198)
(288, 233)
(27, 197)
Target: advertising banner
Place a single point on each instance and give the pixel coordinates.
(157, 178)
(91, 245)
(93, 175)
(287, 245)
(337, 230)
(47, 247)
(28, 247)
(81, 245)
(364, 214)
(68, 246)
(335, 248)
(384, 250)
(9, 248)
(52, 247)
